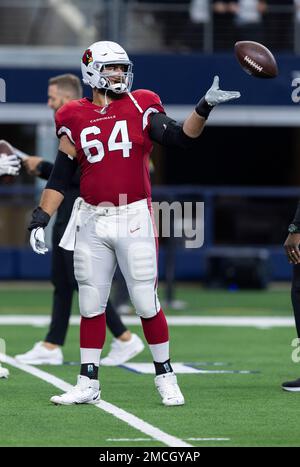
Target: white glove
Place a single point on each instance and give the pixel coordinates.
(9, 164)
(216, 96)
(37, 241)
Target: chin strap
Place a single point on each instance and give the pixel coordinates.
(105, 97)
(106, 104)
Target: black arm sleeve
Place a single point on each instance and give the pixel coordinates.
(296, 220)
(62, 173)
(166, 131)
(45, 168)
(76, 177)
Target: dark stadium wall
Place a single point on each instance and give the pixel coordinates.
(237, 156)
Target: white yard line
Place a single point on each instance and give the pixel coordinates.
(117, 412)
(151, 439)
(262, 322)
(129, 439)
(208, 439)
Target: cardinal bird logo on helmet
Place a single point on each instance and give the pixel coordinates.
(87, 57)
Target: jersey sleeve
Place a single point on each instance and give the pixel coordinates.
(153, 105)
(63, 123)
(149, 103)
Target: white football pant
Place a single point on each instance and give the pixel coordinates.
(105, 236)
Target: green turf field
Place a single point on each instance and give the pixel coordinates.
(241, 409)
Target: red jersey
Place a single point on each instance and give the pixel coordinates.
(113, 147)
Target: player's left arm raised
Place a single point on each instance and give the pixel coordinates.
(195, 122)
(168, 132)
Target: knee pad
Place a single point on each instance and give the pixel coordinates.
(142, 262)
(89, 297)
(82, 264)
(145, 300)
(89, 301)
(143, 270)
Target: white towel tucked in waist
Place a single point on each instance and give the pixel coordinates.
(68, 239)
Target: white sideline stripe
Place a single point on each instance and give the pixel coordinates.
(126, 417)
(208, 439)
(130, 439)
(151, 439)
(263, 322)
(148, 368)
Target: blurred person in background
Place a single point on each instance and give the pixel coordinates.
(224, 13)
(292, 251)
(297, 27)
(279, 24)
(249, 20)
(173, 19)
(199, 17)
(125, 345)
(9, 165)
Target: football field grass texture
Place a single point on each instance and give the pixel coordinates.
(239, 404)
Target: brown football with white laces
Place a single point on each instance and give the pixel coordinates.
(256, 59)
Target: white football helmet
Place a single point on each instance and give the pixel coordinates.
(100, 55)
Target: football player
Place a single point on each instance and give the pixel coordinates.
(125, 345)
(9, 163)
(292, 251)
(111, 137)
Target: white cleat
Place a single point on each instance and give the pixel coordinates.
(3, 372)
(40, 355)
(169, 390)
(121, 352)
(86, 391)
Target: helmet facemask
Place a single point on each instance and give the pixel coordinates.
(106, 77)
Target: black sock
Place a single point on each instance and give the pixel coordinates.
(90, 370)
(163, 367)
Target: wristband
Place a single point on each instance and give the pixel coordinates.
(203, 109)
(40, 218)
(293, 228)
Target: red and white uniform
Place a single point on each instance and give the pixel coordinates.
(113, 149)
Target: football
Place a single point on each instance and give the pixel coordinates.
(256, 59)
(5, 147)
